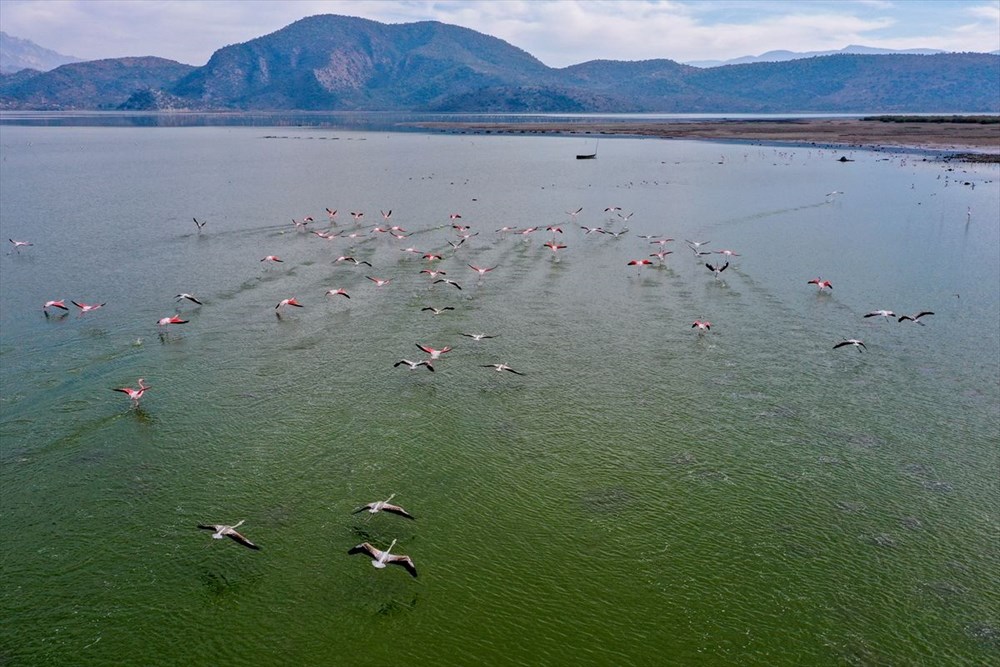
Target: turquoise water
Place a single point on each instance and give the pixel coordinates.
(641, 495)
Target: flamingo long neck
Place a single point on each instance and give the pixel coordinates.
(385, 554)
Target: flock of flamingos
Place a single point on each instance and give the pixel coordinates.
(657, 243)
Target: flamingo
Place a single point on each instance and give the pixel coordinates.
(383, 505)
(189, 297)
(696, 245)
(432, 273)
(382, 558)
(20, 244)
(436, 311)
(851, 341)
(915, 318)
(430, 257)
(337, 292)
(357, 215)
(449, 282)
(332, 214)
(702, 326)
(476, 336)
(881, 313)
(662, 254)
(820, 284)
(499, 368)
(54, 304)
(575, 213)
(617, 234)
(199, 225)
(386, 214)
(379, 282)
(591, 230)
(554, 229)
(612, 209)
(173, 319)
(639, 263)
(435, 353)
(727, 253)
(717, 269)
(555, 247)
(411, 250)
(134, 394)
(660, 242)
(455, 246)
(86, 308)
(482, 271)
(288, 302)
(626, 216)
(415, 364)
(222, 530)
(461, 229)
(272, 258)
(344, 258)
(454, 216)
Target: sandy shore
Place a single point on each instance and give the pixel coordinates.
(977, 138)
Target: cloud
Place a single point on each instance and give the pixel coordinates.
(558, 32)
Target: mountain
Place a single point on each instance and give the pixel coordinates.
(784, 56)
(17, 54)
(332, 62)
(96, 84)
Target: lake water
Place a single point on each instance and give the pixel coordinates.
(642, 495)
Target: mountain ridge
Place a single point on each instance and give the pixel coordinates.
(331, 62)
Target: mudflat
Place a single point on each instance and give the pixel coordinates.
(939, 135)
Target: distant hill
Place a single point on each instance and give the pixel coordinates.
(17, 54)
(333, 62)
(784, 56)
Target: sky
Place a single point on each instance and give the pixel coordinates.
(557, 32)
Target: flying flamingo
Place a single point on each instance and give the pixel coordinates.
(661, 242)
(173, 319)
(430, 257)
(199, 225)
(555, 247)
(379, 282)
(591, 230)
(449, 282)
(662, 254)
(499, 368)
(915, 318)
(727, 253)
(702, 326)
(482, 271)
(222, 530)
(384, 506)
(357, 215)
(435, 353)
(288, 302)
(575, 213)
(461, 229)
(639, 263)
(851, 341)
(617, 234)
(337, 292)
(344, 258)
(382, 558)
(135, 394)
(332, 214)
(386, 214)
(20, 244)
(433, 274)
(554, 229)
(54, 304)
(717, 269)
(86, 308)
(820, 284)
(414, 364)
(476, 336)
(436, 311)
(189, 297)
(454, 216)
(881, 313)
(272, 258)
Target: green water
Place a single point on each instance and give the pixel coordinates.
(641, 495)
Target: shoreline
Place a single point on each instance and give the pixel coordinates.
(969, 141)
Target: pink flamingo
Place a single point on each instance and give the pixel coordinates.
(134, 394)
(555, 247)
(702, 326)
(378, 281)
(482, 271)
(639, 263)
(54, 304)
(662, 254)
(337, 292)
(288, 302)
(820, 284)
(499, 368)
(272, 258)
(449, 282)
(727, 253)
(173, 319)
(434, 274)
(86, 308)
(357, 215)
(332, 214)
(345, 258)
(435, 353)
(20, 244)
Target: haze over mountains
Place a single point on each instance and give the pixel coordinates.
(331, 62)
